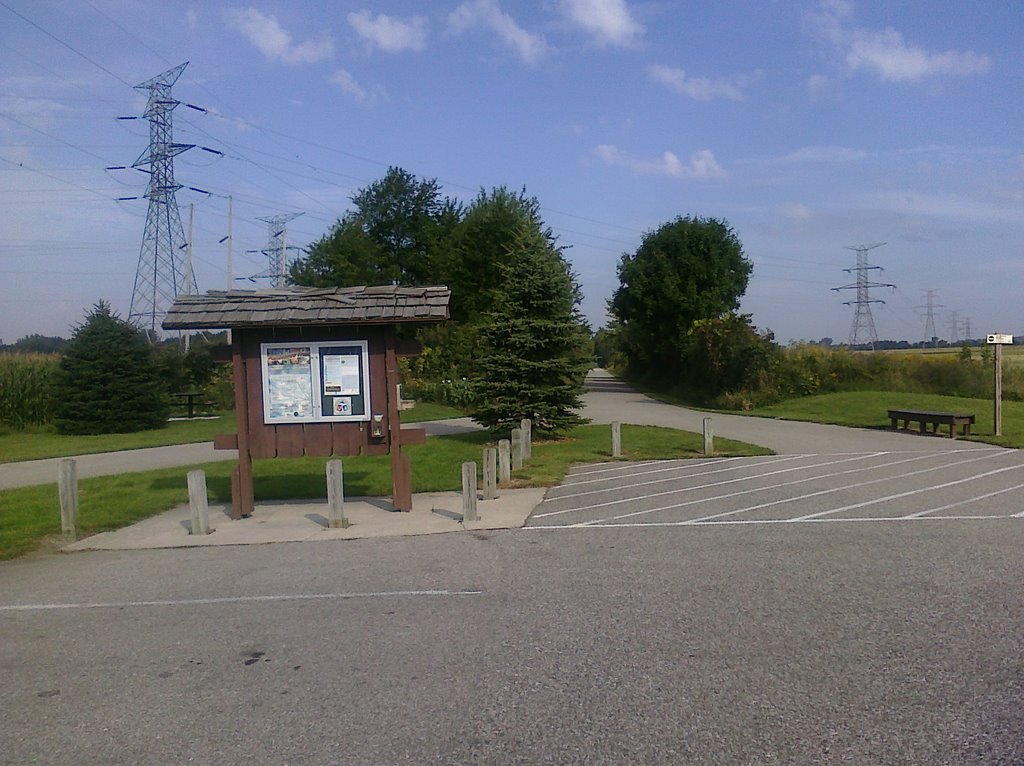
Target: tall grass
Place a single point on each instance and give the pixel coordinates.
(26, 396)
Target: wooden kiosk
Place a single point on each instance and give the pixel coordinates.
(315, 373)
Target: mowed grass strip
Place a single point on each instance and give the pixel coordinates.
(868, 409)
(30, 515)
(36, 443)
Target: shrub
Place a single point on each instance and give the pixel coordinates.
(107, 381)
(26, 391)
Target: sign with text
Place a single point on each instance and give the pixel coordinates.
(315, 382)
(1000, 339)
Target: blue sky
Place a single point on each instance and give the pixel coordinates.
(810, 126)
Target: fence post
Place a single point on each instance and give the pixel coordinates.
(616, 440)
(490, 473)
(709, 437)
(504, 460)
(197, 502)
(336, 496)
(67, 485)
(526, 426)
(517, 449)
(469, 491)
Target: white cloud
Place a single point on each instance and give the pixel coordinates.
(703, 88)
(348, 84)
(702, 164)
(609, 22)
(192, 18)
(889, 56)
(823, 154)
(818, 85)
(794, 211)
(273, 41)
(529, 47)
(884, 52)
(390, 34)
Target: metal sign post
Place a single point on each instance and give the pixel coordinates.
(999, 340)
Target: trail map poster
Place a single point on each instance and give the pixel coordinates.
(316, 382)
(288, 377)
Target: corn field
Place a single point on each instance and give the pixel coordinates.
(26, 394)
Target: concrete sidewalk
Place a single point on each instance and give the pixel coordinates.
(306, 521)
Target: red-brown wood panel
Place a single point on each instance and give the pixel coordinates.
(290, 440)
(318, 439)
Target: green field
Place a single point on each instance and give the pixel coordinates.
(867, 409)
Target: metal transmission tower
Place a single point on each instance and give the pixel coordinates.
(160, 276)
(954, 327)
(930, 334)
(277, 248)
(863, 322)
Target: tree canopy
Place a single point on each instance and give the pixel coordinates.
(688, 270)
(397, 234)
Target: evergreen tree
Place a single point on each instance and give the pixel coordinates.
(535, 345)
(107, 382)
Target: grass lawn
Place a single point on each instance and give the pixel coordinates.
(29, 515)
(44, 442)
(867, 409)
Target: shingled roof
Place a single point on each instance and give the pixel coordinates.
(308, 305)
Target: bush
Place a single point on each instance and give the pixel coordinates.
(107, 381)
(26, 390)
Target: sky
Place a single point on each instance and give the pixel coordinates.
(808, 126)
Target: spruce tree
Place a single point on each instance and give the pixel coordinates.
(107, 381)
(535, 346)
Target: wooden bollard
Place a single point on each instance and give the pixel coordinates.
(67, 487)
(490, 473)
(198, 503)
(504, 460)
(616, 440)
(469, 491)
(336, 496)
(517, 449)
(526, 426)
(709, 437)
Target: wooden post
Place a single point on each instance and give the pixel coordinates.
(243, 501)
(709, 437)
(517, 449)
(526, 426)
(998, 413)
(616, 440)
(336, 496)
(469, 491)
(67, 486)
(198, 503)
(401, 470)
(504, 460)
(490, 473)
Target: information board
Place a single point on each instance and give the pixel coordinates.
(316, 382)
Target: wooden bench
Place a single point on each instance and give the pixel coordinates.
(934, 419)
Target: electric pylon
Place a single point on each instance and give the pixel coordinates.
(930, 335)
(862, 319)
(954, 327)
(160, 276)
(277, 248)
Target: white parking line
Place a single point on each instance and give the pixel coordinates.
(750, 522)
(711, 484)
(908, 493)
(760, 489)
(832, 490)
(987, 495)
(670, 478)
(237, 600)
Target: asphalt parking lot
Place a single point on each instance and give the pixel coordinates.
(976, 484)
